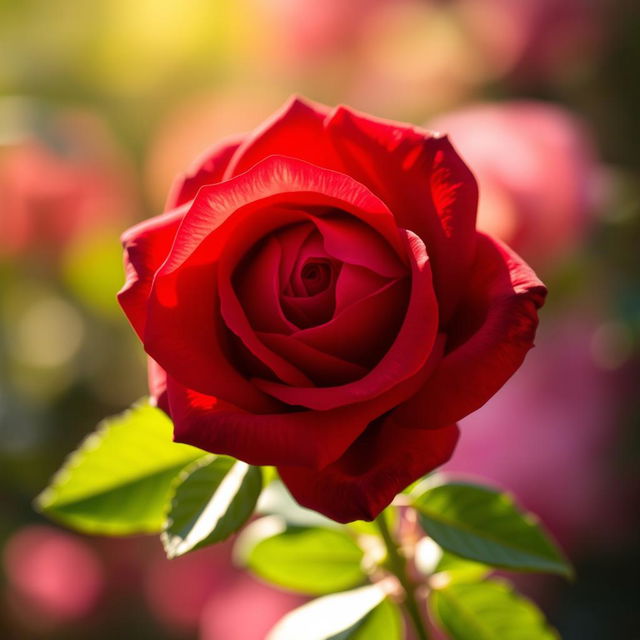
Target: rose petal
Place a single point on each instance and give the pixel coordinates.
(352, 242)
(357, 333)
(291, 240)
(235, 315)
(190, 341)
(236, 320)
(146, 246)
(183, 332)
(408, 352)
(322, 368)
(157, 379)
(209, 168)
(312, 247)
(379, 464)
(311, 438)
(257, 283)
(310, 311)
(424, 182)
(355, 283)
(296, 131)
(498, 323)
(275, 181)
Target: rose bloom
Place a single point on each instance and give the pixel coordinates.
(316, 297)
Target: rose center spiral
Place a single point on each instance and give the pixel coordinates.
(316, 276)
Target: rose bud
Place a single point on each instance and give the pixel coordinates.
(316, 297)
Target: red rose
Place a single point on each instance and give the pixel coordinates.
(317, 298)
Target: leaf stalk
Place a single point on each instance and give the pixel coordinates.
(398, 566)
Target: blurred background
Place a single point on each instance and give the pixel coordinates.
(103, 102)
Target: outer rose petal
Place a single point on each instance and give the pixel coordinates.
(157, 378)
(296, 131)
(498, 323)
(424, 182)
(208, 169)
(546, 144)
(310, 438)
(380, 463)
(146, 247)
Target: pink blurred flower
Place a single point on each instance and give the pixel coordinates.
(414, 60)
(58, 186)
(247, 611)
(537, 170)
(177, 590)
(52, 574)
(188, 129)
(204, 590)
(548, 436)
(305, 30)
(533, 37)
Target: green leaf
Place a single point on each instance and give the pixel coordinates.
(276, 500)
(308, 560)
(269, 475)
(213, 499)
(488, 610)
(485, 525)
(416, 487)
(361, 614)
(118, 481)
(370, 528)
(444, 567)
(453, 568)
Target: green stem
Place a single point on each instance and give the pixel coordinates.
(398, 566)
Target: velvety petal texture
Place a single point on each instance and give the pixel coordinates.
(316, 297)
(496, 327)
(146, 247)
(208, 169)
(379, 464)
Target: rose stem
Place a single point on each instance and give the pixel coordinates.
(398, 566)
